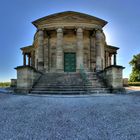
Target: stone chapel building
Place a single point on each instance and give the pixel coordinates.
(69, 54)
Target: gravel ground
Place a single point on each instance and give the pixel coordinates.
(98, 117)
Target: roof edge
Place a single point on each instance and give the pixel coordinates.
(117, 48)
(60, 13)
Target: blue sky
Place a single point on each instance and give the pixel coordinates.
(16, 30)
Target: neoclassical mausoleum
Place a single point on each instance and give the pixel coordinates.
(69, 54)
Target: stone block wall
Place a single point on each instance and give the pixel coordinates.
(113, 77)
(26, 77)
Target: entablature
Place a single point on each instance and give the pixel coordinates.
(27, 49)
(111, 49)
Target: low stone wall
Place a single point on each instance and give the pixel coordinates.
(13, 82)
(26, 77)
(125, 82)
(113, 77)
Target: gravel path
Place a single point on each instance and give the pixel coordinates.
(99, 117)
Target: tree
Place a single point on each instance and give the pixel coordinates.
(135, 63)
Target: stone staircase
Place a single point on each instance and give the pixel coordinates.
(68, 83)
(95, 84)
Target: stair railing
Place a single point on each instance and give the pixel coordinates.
(36, 81)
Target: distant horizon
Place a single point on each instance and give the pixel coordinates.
(121, 31)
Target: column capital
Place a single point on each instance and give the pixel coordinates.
(98, 29)
(79, 29)
(93, 33)
(59, 30)
(100, 36)
(40, 32)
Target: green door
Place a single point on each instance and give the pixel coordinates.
(69, 62)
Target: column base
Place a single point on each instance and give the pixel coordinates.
(60, 70)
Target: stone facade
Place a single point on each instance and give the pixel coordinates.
(76, 34)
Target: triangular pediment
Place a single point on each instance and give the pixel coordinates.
(69, 17)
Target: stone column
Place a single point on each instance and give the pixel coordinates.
(100, 42)
(110, 59)
(115, 59)
(40, 51)
(29, 60)
(33, 58)
(79, 48)
(24, 59)
(46, 53)
(59, 51)
(92, 52)
(107, 59)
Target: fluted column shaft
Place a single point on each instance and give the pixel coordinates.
(79, 47)
(99, 50)
(107, 59)
(110, 59)
(40, 50)
(29, 60)
(46, 53)
(59, 50)
(92, 52)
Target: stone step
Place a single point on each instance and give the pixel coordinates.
(60, 86)
(57, 86)
(57, 89)
(59, 92)
(68, 86)
(70, 92)
(70, 89)
(63, 83)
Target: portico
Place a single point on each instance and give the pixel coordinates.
(91, 57)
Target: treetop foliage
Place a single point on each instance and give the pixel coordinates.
(135, 63)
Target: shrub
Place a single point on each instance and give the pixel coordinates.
(134, 83)
(5, 84)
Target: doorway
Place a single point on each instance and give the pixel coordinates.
(69, 62)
